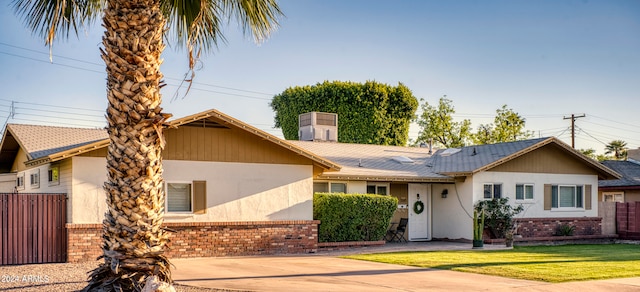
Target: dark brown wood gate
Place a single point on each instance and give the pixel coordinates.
(628, 220)
(32, 228)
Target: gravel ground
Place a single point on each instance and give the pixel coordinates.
(56, 277)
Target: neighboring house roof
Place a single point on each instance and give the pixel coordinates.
(375, 162)
(473, 159)
(630, 171)
(48, 144)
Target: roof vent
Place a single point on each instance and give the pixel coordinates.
(317, 126)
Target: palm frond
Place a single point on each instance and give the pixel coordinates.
(198, 24)
(50, 18)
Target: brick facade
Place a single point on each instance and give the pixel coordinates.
(545, 227)
(210, 239)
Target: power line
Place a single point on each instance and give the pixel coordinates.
(573, 128)
(101, 64)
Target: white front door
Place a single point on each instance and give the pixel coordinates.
(419, 226)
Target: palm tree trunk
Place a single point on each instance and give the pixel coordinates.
(133, 240)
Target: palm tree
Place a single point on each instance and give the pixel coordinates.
(133, 238)
(618, 148)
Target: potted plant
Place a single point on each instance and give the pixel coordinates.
(508, 238)
(478, 229)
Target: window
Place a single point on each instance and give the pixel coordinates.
(179, 197)
(34, 179)
(492, 191)
(524, 192)
(53, 175)
(380, 189)
(329, 187)
(185, 197)
(567, 196)
(613, 197)
(20, 181)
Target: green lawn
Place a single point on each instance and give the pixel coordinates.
(541, 263)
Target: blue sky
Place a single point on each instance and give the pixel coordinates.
(544, 59)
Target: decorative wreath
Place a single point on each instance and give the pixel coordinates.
(418, 207)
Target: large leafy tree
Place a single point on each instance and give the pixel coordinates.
(507, 126)
(133, 41)
(618, 148)
(437, 125)
(368, 113)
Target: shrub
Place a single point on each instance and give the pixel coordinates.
(498, 215)
(352, 217)
(565, 230)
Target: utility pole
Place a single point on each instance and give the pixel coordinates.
(573, 128)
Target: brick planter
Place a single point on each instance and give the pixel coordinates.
(547, 227)
(210, 239)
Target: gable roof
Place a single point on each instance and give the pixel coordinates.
(469, 160)
(48, 144)
(630, 171)
(376, 162)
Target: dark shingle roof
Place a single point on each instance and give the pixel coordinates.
(470, 159)
(630, 171)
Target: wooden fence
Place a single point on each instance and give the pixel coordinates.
(628, 220)
(32, 228)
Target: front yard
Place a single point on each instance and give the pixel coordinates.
(541, 263)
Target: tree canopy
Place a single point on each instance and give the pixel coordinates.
(368, 113)
(507, 126)
(618, 148)
(437, 123)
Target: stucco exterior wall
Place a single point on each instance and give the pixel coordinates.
(535, 207)
(247, 191)
(451, 216)
(87, 200)
(356, 187)
(7, 182)
(235, 191)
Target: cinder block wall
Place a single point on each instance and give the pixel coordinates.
(210, 239)
(545, 227)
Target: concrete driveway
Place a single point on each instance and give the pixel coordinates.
(326, 272)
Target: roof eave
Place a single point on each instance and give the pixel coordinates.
(68, 153)
(386, 178)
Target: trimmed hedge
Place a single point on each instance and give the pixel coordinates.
(352, 217)
(368, 113)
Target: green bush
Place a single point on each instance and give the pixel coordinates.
(499, 215)
(352, 217)
(565, 230)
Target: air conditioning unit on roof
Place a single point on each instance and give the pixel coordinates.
(317, 126)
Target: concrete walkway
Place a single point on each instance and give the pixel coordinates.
(326, 272)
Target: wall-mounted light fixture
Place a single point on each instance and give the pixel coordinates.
(444, 193)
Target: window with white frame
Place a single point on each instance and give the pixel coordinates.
(492, 191)
(329, 187)
(34, 179)
(524, 192)
(53, 175)
(377, 188)
(179, 197)
(567, 196)
(613, 197)
(20, 181)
